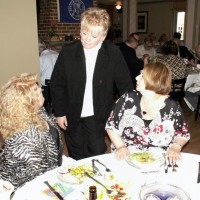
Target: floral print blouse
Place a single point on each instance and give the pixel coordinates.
(126, 119)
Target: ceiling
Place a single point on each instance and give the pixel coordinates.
(111, 2)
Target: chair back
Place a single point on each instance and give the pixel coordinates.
(49, 103)
(177, 93)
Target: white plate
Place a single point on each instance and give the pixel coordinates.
(153, 162)
(74, 174)
(162, 191)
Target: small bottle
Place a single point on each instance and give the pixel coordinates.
(92, 193)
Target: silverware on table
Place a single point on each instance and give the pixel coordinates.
(53, 190)
(198, 177)
(95, 169)
(107, 169)
(168, 165)
(107, 190)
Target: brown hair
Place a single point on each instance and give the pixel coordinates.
(96, 20)
(157, 78)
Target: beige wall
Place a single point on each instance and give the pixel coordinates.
(18, 38)
(160, 18)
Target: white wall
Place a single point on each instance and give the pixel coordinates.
(18, 38)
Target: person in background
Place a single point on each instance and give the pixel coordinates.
(154, 38)
(32, 141)
(146, 49)
(162, 39)
(148, 119)
(135, 64)
(136, 36)
(183, 51)
(196, 61)
(82, 85)
(48, 59)
(169, 57)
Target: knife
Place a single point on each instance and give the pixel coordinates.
(198, 177)
(53, 190)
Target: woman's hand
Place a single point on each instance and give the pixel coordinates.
(173, 154)
(62, 122)
(122, 152)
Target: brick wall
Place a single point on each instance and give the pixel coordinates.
(48, 17)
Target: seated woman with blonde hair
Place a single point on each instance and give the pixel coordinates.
(148, 119)
(32, 141)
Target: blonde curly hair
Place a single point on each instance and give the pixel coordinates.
(19, 102)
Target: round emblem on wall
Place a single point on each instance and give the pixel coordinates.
(75, 8)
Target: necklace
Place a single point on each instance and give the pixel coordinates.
(144, 112)
(149, 109)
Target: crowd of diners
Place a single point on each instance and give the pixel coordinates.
(143, 118)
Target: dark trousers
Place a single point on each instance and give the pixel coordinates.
(87, 140)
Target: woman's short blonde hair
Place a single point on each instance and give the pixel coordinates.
(18, 105)
(157, 77)
(96, 20)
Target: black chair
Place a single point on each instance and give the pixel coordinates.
(48, 102)
(198, 106)
(177, 93)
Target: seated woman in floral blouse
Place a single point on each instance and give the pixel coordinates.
(32, 141)
(148, 119)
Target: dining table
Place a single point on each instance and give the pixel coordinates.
(192, 75)
(185, 177)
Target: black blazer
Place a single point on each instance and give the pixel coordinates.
(69, 78)
(185, 53)
(135, 65)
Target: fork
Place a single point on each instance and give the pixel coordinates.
(174, 166)
(107, 170)
(108, 191)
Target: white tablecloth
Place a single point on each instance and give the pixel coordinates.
(185, 177)
(191, 79)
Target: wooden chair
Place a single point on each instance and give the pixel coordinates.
(198, 106)
(177, 93)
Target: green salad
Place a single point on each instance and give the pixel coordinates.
(143, 157)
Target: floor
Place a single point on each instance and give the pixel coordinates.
(193, 146)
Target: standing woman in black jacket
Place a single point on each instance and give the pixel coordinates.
(82, 85)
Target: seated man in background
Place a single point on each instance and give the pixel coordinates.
(146, 49)
(136, 36)
(135, 65)
(48, 59)
(183, 51)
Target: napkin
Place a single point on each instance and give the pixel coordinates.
(63, 190)
(6, 188)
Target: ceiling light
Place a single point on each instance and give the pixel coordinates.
(118, 5)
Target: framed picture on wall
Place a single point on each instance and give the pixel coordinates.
(142, 22)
